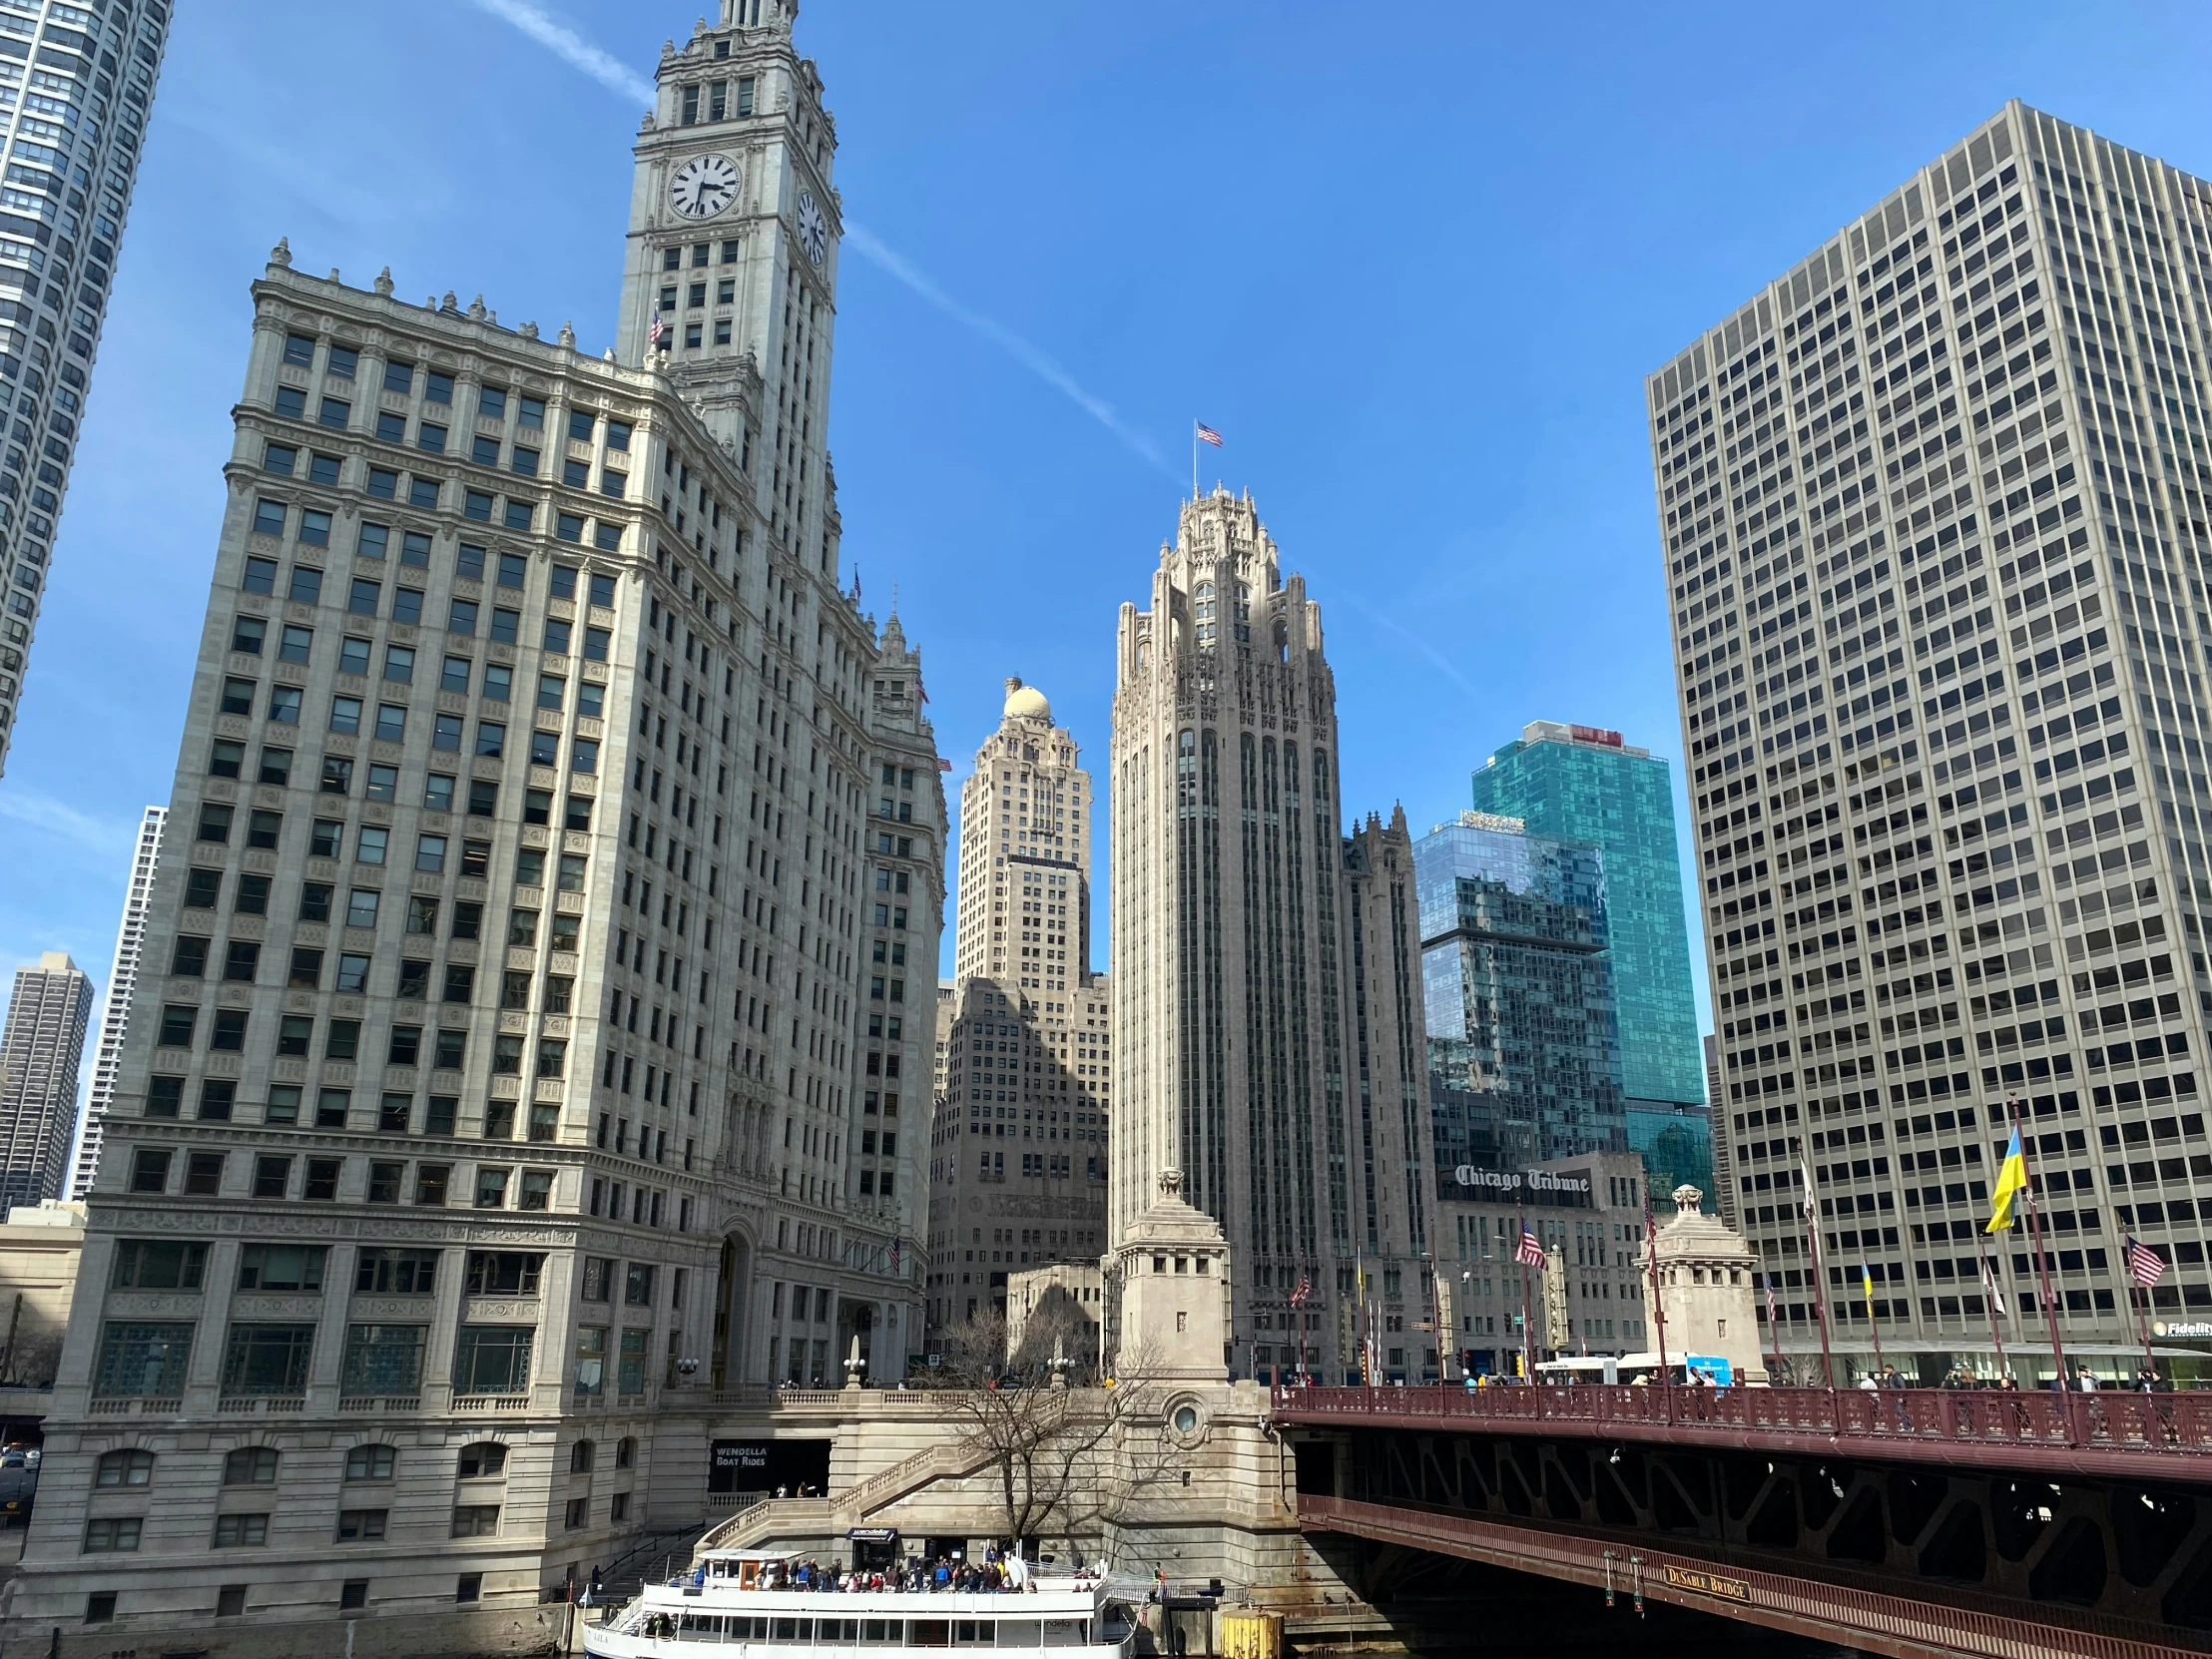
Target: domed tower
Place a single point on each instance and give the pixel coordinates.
(1025, 854)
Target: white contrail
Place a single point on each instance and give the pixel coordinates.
(609, 71)
(1029, 356)
(1443, 664)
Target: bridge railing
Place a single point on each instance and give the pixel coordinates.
(2165, 1423)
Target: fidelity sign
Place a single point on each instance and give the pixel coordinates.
(1513, 1181)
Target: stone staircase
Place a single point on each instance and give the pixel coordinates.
(842, 1511)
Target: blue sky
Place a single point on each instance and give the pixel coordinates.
(1411, 259)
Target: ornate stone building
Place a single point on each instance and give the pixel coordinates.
(1020, 1143)
(548, 918)
(1268, 1028)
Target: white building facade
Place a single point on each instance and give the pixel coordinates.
(114, 1013)
(76, 91)
(550, 843)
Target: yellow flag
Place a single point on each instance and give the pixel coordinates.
(2011, 1178)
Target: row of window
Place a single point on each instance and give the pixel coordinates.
(151, 1167)
(265, 826)
(492, 402)
(365, 597)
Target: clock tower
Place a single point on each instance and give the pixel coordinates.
(730, 282)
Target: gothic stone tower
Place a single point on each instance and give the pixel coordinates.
(1238, 996)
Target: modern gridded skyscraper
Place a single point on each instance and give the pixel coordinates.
(1581, 784)
(1933, 505)
(40, 1056)
(75, 85)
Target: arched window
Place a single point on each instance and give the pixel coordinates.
(485, 1460)
(371, 1462)
(1201, 610)
(134, 1467)
(580, 1457)
(250, 1465)
(626, 1453)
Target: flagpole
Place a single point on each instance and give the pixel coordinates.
(2142, 1307)
(1774, 1327)
(1874, 1326)
(1194, 457)
(1989, 1283)
(1820, 1274)
(1658, 1303)
(2035, 1238)
(1527, 1356)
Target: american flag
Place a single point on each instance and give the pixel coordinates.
(655, 333)
(1206, 434)
(1303, 1293)
(2145, 1265)
(1530, 1253)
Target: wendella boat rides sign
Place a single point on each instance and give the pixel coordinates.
(1510, 1184)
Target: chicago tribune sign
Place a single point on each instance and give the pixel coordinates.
(1513, 1181)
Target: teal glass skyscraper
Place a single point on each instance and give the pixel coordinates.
(1578, 782)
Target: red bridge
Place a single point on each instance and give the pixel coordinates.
(1912, 1522)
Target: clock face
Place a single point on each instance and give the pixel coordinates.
(814, 227)
(704, 185)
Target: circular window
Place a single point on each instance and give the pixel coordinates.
(1186, 1419)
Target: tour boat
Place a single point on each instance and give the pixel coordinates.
(737, 1604)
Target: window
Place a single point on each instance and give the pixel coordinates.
(293, 647)
(383, 783)
(115, 1535)
(371, 1462)
(225, 759)
(430, 853)
(248, 634)
(322, 1183)
(637, 1287)
(345, 715)
(437, 387)
(576, 1515)
(280, 1266)
(503, 1273)
(391, 723)
(314, 529)
(399, 377)
(506, 625)
(266, 1358)
(306, 585)
(423, 493)
(324, 469)
(430, 438)
(477, 504)
(491, 1187)
(384, 1360)
(284, 702)
(630, 1368)
(384, 484)
(299, 349)
(498, 683)
(343, 361)
(261, 576)
(461, 619)
(134, 1467)
(485, 1460)
(492, 1360)
(157, 1264)
(282, 459)
(240, 1531)
(371, 848)
(141, 1359)
(396, 1272)
(360, 1526)
(475, 1520)
(336, 413)
(254, 1465)
(271, 1177)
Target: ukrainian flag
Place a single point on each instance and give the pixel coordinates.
(1866, 1281)
(2011, 1178)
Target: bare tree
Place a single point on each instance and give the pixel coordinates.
(1058, 1329)
(1066, 1456)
